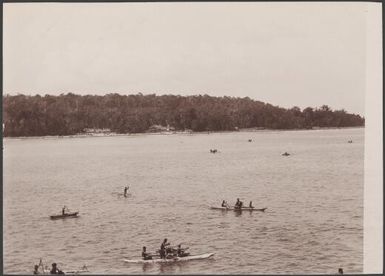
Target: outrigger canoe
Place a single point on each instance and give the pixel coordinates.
(45, 270)
(73, 272)
(68, 215)
(237, 209)
(175, 259)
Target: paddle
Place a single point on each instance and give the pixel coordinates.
(41, 264)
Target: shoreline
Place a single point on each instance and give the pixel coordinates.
(112, 134)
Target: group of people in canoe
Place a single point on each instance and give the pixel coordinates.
(54, 269)
(238, 204)
(41, 269)
(166, 251)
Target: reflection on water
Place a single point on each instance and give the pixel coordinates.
(314, 197)
(171, 268)
(146, 267)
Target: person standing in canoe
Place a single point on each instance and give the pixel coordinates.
(63, 210)
(125, 191)
(145, 255)
(163, 249)
(251, 205)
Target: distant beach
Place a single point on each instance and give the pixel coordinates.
(113, 134)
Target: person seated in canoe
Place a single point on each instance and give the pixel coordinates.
(163, 246)
(224, 204)
(55, 270)
(145, 255)
(181, 251)
(238, 204)
(36, 270)
(169, 250)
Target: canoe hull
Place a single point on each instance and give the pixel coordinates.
(69, 215)
(176, 259)
(75, 272)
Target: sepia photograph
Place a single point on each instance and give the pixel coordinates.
(192, 138)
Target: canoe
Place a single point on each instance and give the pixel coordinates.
(175, 259)
(68, 215)
(73, 272)
(236, 209)
(45, 270)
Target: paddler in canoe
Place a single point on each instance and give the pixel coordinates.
(238, 204)
(164, 249)
(181, 252)
(125, 191)
(55, 270)
(36, 270)
(224, 204)
(63, 210)
(145, 255)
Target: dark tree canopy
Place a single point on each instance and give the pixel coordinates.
(70, 114)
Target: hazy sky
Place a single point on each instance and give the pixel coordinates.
(286, 54)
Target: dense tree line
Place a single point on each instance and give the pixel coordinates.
(70, 114)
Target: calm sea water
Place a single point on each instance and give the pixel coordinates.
(313, 224)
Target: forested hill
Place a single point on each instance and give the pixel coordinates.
(70, 114)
